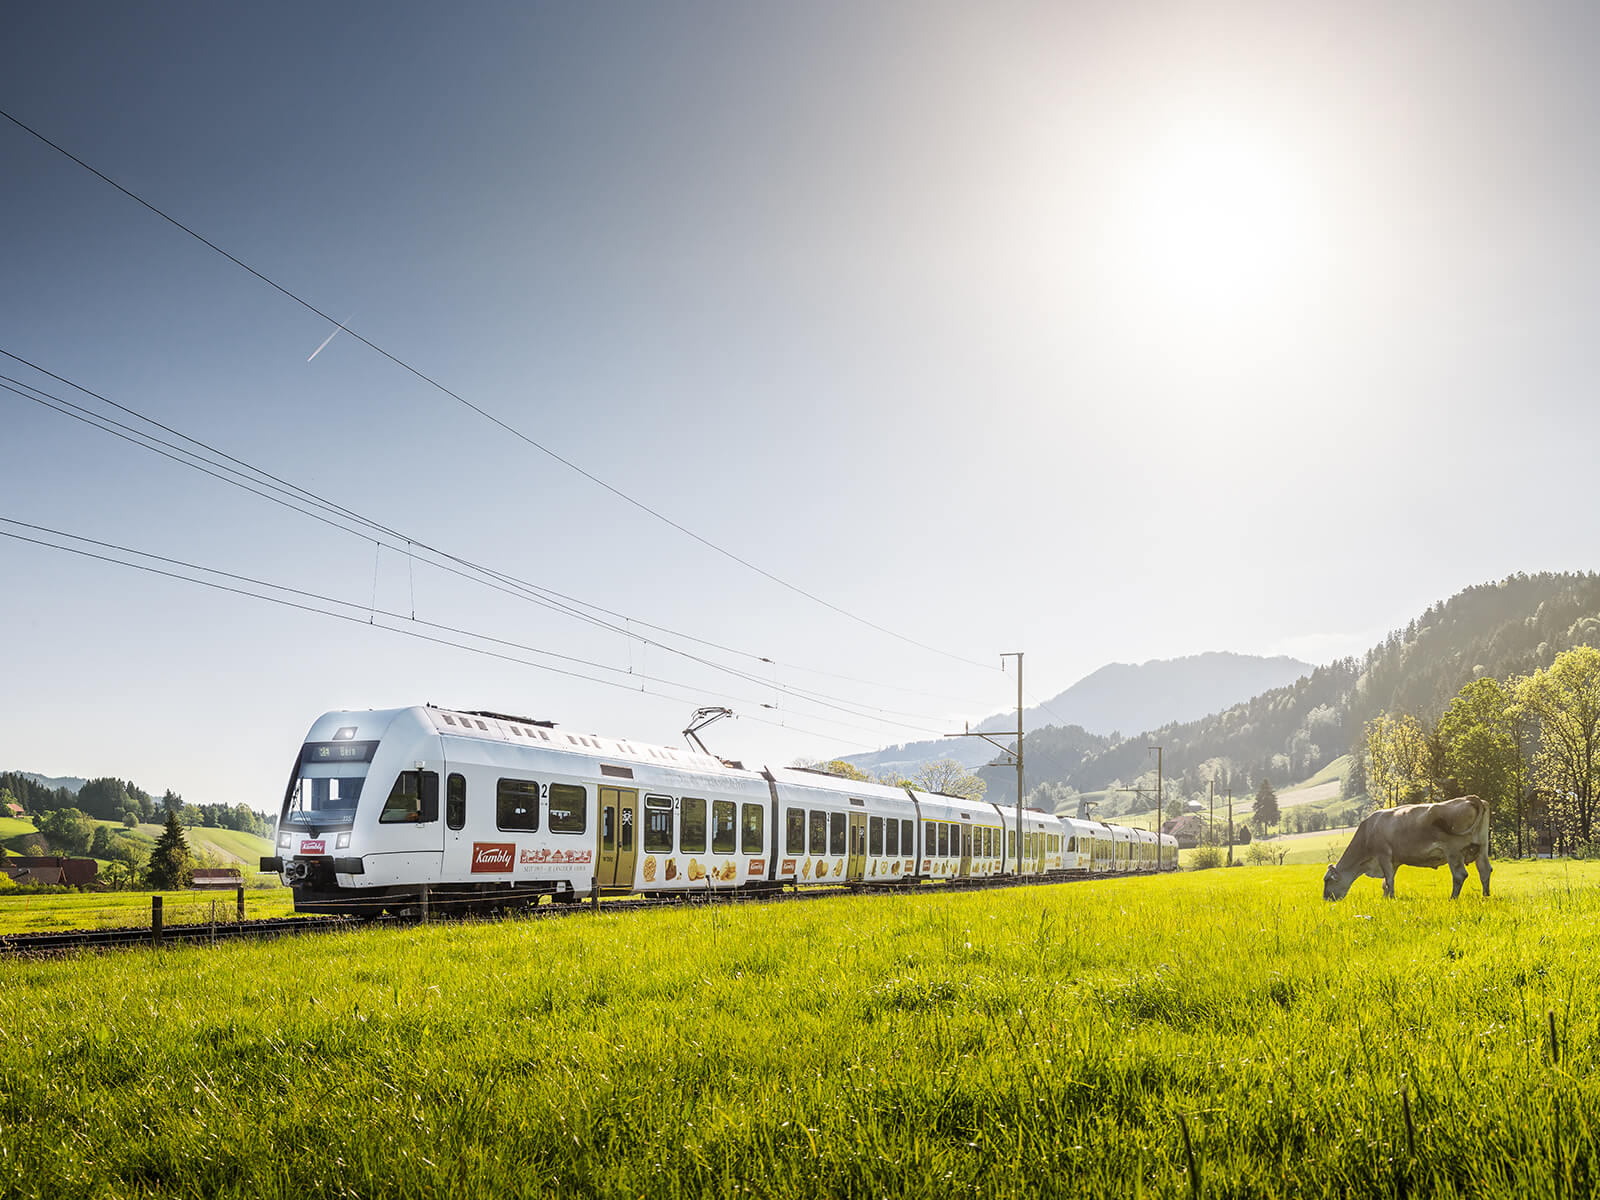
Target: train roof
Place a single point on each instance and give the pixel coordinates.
(539, 734)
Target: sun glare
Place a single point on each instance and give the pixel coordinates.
(1216, 225)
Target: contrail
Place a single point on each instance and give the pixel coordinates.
(329, 338)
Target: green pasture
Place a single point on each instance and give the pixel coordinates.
(1030, 1042)
(111, 910)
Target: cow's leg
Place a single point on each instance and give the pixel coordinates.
(1458, 875)
(1484, 869)
(1386, 865)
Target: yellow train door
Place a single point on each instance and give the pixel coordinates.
(619, 822)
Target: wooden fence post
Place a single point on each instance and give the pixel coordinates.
(155, 919)
(241, 904)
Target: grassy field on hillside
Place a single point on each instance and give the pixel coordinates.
(1041, 1041)
(228, 847)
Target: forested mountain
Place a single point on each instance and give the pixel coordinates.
(1118, 696)
(1497, 629)
(71, 782)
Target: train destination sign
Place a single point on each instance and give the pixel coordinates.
(322, 753)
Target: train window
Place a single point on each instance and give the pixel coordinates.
(752, 835)
(1011, 843)
(819, 832)
(794, 838)
(875, 836)
(569, 808)
(658, 825)
(455, 802)
(930, 838)
(836, 827)
(692, 826)
(414, 798)
(723, 839)
(908, 838)
(944, 840)
(516, 805)
(891, 831)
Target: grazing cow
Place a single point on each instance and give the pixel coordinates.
(1415, 835)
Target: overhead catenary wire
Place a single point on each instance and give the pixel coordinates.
(498, 422)
(252, 478)
(632, 684)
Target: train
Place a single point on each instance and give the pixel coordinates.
(389, 809)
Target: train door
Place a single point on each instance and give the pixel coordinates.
(965, 870)
(856, 870)
(619, 822)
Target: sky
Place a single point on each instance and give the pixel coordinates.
(1101, 332)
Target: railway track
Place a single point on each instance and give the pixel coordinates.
(67, 941)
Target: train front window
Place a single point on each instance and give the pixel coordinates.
(319, 798)
(326, 784)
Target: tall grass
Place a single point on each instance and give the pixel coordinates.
(1031, 1042)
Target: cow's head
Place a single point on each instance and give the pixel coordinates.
(1335, 884)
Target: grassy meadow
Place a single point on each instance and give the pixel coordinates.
(1041, 1041)
(51, 911)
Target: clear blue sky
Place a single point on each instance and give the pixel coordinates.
(1105, 332)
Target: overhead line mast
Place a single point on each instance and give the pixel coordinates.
(1016, 654)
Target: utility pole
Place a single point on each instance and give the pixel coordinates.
(1230, 824)
(1017, 833)
(1160, 807)
(1211, 824)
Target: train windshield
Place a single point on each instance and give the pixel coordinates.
(327, 783)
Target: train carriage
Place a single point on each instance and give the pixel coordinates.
(842, 831)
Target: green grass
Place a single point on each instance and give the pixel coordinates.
(109, 910)
(1019, 1043)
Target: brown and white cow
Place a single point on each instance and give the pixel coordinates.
(1415, 835)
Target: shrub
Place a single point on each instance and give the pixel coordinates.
(1205, 858)
(1260, 856)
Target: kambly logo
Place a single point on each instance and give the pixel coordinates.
(314, 846)
(489, 857)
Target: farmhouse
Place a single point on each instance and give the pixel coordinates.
(52, 869)
(1188, 829)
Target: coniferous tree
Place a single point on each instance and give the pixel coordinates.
(171, 865)
(1266, 810)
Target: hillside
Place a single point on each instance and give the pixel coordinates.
(1500, 629)
(1118, 696)
(227, 847)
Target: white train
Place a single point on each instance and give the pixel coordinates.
(485, 810)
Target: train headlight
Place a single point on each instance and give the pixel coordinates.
(342, 841)
(283, 839)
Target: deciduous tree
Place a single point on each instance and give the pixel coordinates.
(948, 776)
(1481, 756)
(1565, 700)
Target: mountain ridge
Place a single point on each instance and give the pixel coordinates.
(1111, 698)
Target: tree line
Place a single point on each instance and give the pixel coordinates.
(122, 800)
